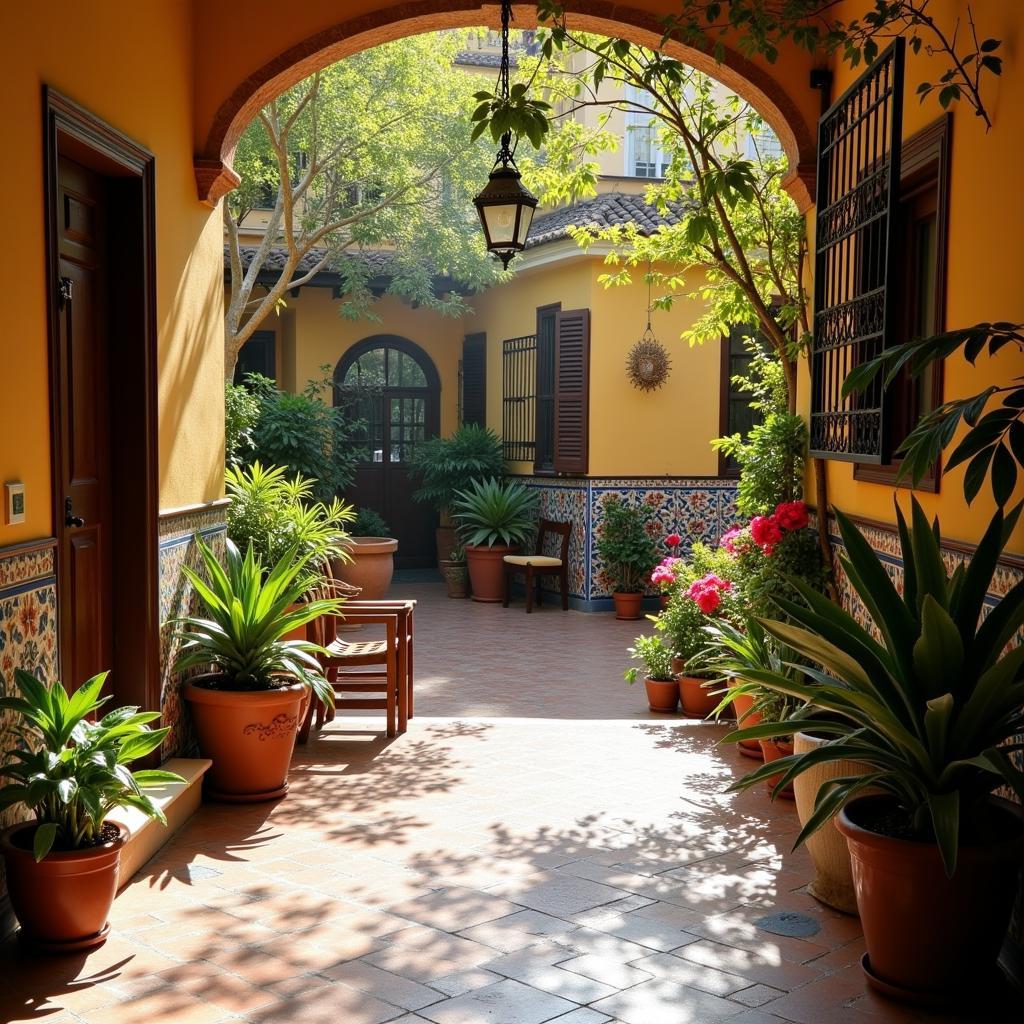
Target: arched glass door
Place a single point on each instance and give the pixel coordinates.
(392, 385)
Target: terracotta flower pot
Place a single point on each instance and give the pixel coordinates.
(371, 568)
(663, 600)
(63, 902)
(929, 937)
(662, 694)
(456, 578)
(742, 704)
(627, 606)
(697, 700)
(772, 750)
(487, 571)
(833, 879)
(248, 735)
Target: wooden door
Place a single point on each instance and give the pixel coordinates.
(83, 505)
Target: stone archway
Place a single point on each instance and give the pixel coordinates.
(790, 109)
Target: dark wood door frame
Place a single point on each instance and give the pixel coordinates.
(71, 131)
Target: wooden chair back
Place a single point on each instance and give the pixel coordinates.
(563, 530)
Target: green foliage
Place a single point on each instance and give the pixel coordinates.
(271, 515)
(993, 446)
(656, 657)
(73, 770)
(445, 465)
(305, 435)
(369, 523)
(771, 460)
(241, 414)
(625, 544)
(247, 612)
(929, 698)
(761, 579)
(490, 512)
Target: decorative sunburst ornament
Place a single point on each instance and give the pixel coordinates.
(648, 363)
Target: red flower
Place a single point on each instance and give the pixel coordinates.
(791, 515)
(29, 615)
(766, 532)
(707, 592)
(707, 600)
(673, 540)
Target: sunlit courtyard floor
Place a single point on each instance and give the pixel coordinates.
(538, 847)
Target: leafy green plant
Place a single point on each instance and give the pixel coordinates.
(368, 523)
(241, 413)
(446, 465)
(247, 613)
(272, 515)
(74, 772)
(932, 705)
(490, 512)
(656, 657)
(625, 544)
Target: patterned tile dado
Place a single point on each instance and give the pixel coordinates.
(178, 548)
(22, 565)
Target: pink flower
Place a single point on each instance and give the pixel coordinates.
(791, 515)
(735, 541)
(707, 592)
(662, 574)
(707, 600)
(766, 532)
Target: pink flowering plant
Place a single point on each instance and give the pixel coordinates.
(666, 573)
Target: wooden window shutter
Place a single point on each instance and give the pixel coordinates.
(855, 271)
(474, 379)
(572, 390)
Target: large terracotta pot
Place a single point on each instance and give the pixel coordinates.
(930, 937)
(487, 571)
(773, 750)
(248, 735)
(456, 578)
(833, 879)
(62, 902)
(371, 568)
(662, 695)
(743, 703)
(697, 701)
(628, 606)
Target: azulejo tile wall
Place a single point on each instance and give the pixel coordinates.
(178, 548)
(698, 509)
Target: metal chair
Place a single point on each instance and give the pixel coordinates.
(538, 565)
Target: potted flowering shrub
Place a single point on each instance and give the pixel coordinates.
(628, 552)
(660, 683)
(664, 574)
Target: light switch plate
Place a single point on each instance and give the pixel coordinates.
(14, 505)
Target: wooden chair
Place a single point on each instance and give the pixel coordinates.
(537, 565)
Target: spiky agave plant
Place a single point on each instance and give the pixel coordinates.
(74, 771)
(490, 512)
(930, 700)
(247, 614)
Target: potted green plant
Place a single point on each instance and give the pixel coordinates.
(72, 774)
(628, 551)
(931, 703)
(446, 465)
(246, 709)
(659, 680)
(494, 519)
(371, 555)
(456, 573)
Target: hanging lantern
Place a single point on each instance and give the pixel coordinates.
(505, 205)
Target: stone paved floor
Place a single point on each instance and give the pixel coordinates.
(538, 847)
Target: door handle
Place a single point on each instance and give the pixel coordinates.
(70, 519)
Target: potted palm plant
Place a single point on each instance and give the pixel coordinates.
(931, 704)
(72, 773)
(659, 680)
(494, 519)
(246, 710)
(629, 553)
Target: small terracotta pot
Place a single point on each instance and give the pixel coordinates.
(697, 700)
(456, 578)
(371, 568)
(63, 902)
(930, 938)
(742, 704)
(487, 571)
(664, 599)
(248, 735)
(772, 750)
(627, 606)
(662, 695)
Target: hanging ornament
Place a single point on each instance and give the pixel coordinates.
(648, 363)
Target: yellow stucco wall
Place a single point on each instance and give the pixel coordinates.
(986, 217)
(104, 56)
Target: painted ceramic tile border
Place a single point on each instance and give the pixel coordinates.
(22, 563)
